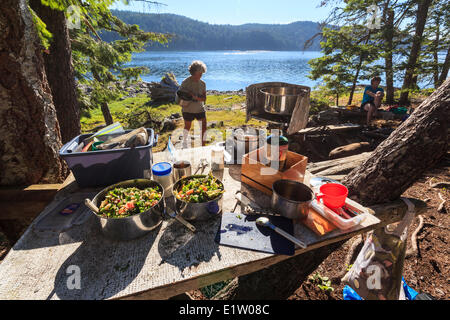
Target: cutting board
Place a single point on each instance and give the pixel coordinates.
(241, 231)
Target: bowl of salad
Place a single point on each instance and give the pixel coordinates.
(130, 209)
(198, 197)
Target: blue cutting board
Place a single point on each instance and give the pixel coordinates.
(241, 231)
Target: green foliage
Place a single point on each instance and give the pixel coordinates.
(97, 63)
(195, 35)
(323, 283)
(44, 35)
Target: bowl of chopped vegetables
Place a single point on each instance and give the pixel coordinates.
(198, 197)
(130, 209)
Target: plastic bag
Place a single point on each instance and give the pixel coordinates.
(377, 272)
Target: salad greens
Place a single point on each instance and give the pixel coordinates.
(125, 202)
(200, 189)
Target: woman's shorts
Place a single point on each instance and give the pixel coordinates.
(187, 116)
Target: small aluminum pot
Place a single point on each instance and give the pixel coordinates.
(135, 226)
(291, 199)
(197, 211)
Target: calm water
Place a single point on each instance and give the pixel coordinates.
(231, 70)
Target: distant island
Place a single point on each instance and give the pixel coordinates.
(195, 35)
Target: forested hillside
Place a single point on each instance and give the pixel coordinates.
(190, 34)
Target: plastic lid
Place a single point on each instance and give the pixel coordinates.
(162, 169)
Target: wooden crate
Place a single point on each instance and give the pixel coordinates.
(252, 169)
(296, 164)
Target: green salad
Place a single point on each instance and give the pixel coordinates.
(201, 189)
(125, 202)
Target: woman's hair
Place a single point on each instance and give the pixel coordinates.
(377, 79)
(197, 66)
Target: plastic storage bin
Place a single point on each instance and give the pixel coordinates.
(106, 167)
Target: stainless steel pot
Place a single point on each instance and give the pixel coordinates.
(249, 139)
(134, 226)
(282, 100)
(197, 211)
(291, 199)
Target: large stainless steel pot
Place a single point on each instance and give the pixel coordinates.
(134, 226)
(197, 211)
(282, 100)
(291, 199)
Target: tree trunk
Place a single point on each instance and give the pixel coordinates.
(28, 124)
(59, 69)
(418, 144)
(107, 113)
(435, 52)
(445, 67)
(389, 43)
(358, 70)
(421, 18)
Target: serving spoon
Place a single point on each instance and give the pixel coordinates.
(263, 221)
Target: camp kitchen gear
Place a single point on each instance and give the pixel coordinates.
(113, 129)
(256, 174)
(294, 116)
(281, 100)
(162, 173)
(265, 222)
(202, 165)
(336, 219)
(197, 211)
(276, 151)
(181, 169)
(217, 158)
(247, 139)
(241, 231)
(181, 220)
(106, 167)
(333, 195)
(291, 199)
(135, 138)
(130, 227)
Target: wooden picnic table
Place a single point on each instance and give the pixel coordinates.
(168, 261)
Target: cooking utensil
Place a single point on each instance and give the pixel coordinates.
(181, 169)
(134, 226)
(291, 199)
(197, 211)
(263, 221)
(181, 220)
(248, 139)
(283, 100)
(202, 165)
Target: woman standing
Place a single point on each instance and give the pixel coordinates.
(195, 89)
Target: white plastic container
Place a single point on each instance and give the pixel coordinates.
(217, 158)
(162, 173)
(336, 219)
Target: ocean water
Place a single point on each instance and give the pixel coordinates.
(231, 70)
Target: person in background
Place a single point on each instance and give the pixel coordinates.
(195, 88)
(373, 95)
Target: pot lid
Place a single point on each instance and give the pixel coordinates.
(162, 169)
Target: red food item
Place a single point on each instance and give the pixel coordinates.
(130, 205)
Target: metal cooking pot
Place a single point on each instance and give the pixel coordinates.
(282, 100)
(291, 199)
(249, 139)
(197, 211)
(134, 226)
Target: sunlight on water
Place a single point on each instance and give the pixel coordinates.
(231, 70)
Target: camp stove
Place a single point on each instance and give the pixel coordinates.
(284, 106)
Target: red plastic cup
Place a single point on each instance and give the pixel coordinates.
(333, 195)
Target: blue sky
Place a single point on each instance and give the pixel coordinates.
(236, 11)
